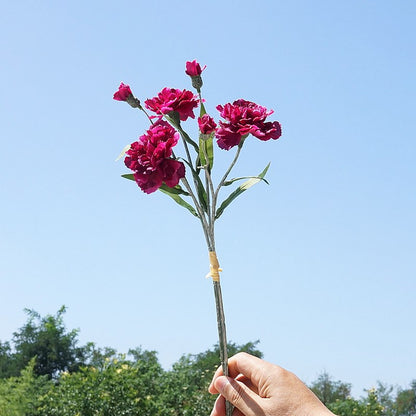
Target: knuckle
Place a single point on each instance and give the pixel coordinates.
(235, 393)
(241, 354)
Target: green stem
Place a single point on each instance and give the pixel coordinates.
(224, 178)
(209, 191)
(200, 211)
(222, 335)
(147, 115)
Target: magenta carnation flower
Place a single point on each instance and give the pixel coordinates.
(193, 69)
(206, 124)
(245, 117)
(123, 93)
(171, 99)
(150, 158)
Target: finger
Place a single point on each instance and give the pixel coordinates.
(242, 363)
(240, 378)
(250, 366)
(239, 395)
(219, 408)
(248, 383)
(217, 374)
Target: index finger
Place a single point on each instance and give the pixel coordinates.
(242, 363)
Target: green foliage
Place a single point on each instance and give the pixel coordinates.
(385, 398)
(46, 339)
(118, 387)
(242, 188)
(368, 406)
(172, 192)
(405, 404)
(8, 365)
(19, 396)
(330, 391)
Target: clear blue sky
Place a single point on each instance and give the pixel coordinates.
(319, 266)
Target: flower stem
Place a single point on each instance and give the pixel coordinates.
(222, 335)
(210, 192)
(201, 213)
(147, 115)
(224, 178)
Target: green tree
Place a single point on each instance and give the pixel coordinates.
(367, 406)
(117, 387)
(405, 403)
(8, 365)
(386, 398)
(47, 339)
(329, 390)
(19, 396)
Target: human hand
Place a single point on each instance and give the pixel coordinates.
(258, 388)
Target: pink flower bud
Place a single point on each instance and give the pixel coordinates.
(193, 68)
(206, 124)
(123, 93)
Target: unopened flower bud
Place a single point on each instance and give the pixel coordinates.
(133, 101)
(197, 82)
(193, 69)
(124, 94)
(206, 124)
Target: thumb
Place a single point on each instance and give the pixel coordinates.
(239, 395)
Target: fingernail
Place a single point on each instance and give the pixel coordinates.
(220, 383)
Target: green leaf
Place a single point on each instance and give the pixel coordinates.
(243, 187)
(174, 190)
(170, 191)
(202, 194)
(202, 110)
(123, 152)
(231, 181)
(173, 118)
(186, 137)
(129, 176)
(206, 144)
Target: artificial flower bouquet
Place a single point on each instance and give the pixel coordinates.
(187, 179)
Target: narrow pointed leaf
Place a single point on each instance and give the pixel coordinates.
(231, 181)
(243, 187)
(206, 144)
(202, 195)
(202, 110)
(174, 190)
(173, 118)
(129, 176)
(186, 137)
(123, 152)
(201, 192)
(179, 200)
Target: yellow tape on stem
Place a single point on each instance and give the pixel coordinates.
(214, 267)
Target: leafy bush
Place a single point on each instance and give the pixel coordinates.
(118, 387)
(19, 396)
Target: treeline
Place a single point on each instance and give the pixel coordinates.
(44, 372)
